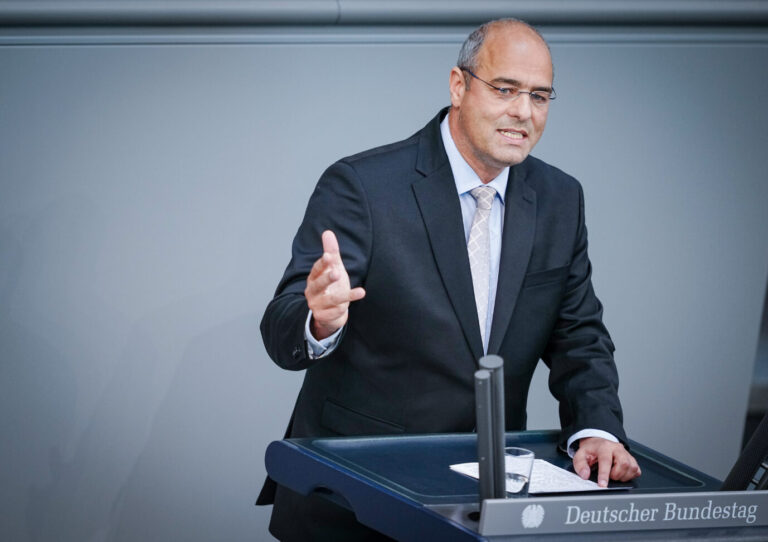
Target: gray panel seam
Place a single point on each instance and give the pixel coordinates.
(403, 36)
(381, 12)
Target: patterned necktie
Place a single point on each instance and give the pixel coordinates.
(479, 250)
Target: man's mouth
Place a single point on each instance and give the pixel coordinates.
(513, 134)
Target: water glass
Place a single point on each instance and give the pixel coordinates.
(518, 463)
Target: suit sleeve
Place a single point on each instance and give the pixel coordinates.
(338, 203)
(583, 375)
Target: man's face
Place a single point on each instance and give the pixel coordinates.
(492, 132)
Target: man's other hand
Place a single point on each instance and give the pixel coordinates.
(613, 461)
(328, 292)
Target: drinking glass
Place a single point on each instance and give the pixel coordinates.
(518, 463)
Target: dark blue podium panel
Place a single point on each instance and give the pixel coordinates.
(403, 486)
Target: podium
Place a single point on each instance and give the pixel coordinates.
(402, 486)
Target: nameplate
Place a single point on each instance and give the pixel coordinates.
(626, 512)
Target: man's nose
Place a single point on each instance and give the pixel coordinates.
(520, 107)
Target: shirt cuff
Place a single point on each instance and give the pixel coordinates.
(323, 347)
(586, 433)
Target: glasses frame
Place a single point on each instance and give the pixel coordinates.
(513, 93)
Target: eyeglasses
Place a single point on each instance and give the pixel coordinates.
(539, 98)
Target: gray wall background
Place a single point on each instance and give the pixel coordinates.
(152, 178)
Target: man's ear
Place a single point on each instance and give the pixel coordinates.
(457, 86)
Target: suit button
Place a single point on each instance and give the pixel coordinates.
(296, 352)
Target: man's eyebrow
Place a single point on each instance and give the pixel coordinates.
(516, 83)
(506, 81)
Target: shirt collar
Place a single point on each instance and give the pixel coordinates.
(465, 177)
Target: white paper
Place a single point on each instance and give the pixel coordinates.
(545, 478)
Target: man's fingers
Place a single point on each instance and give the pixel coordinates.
(330, 261)
(614, 462)
(320, 265)
(356, 294)
(343, 297)
(620, 467)
(320, 278)
(604, 466)
(580, 464)
(625, 468)
(330, 244)
(325, 285)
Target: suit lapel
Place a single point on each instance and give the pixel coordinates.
(516, 246)
(439, 204)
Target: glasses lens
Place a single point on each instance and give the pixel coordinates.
(539, 99)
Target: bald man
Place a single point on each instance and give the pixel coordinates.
(382, 307)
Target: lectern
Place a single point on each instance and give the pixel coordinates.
(403, 487)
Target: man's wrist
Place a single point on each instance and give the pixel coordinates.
(318, 348)
(319, 331)
(573, 441)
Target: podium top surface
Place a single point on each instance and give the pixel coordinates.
(417, 467)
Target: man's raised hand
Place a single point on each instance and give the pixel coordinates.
(328, 292)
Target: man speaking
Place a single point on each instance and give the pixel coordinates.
(416, 258)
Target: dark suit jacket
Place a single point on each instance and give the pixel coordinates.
(406, 361)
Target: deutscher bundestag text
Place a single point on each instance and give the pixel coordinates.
(671, 512)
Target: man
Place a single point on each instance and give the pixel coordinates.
(391, 318)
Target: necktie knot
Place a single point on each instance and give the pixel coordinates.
(483, 196)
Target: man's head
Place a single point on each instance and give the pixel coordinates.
(496, 128)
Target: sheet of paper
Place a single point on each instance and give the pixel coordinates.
(545, 478)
